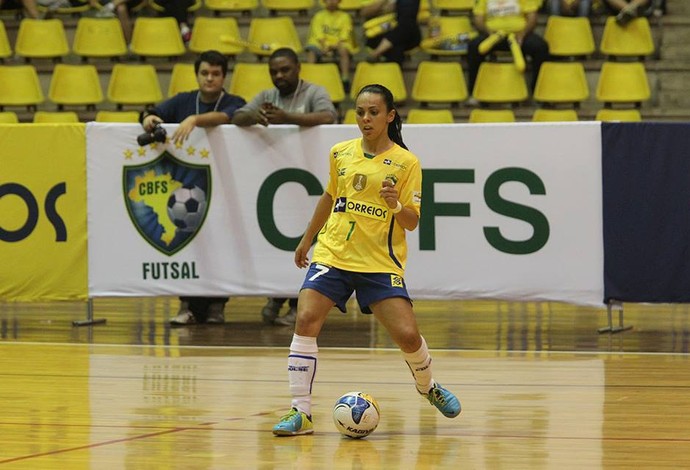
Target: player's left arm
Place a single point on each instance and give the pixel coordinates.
(405, 197)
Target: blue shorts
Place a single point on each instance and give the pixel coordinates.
(338, 285)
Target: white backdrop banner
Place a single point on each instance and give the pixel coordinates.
(509, 211)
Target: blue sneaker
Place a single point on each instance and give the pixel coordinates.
(447, 403)
(294, 423)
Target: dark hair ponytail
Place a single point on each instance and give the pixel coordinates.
(395, 127)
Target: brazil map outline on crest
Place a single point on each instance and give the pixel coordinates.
(157, 200)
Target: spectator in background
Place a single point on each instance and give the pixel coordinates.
(292, 101)
(626, 10)
(178, 9)
(391, 44)
(119, 8)
(331, 35)
(29, 7)
(516, 16)
(569, 7)
(208, 106)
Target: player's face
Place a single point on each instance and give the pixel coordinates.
(210, 78)
(284, 74)
(331, 5)
(373, 116)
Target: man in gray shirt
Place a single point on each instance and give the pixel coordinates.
(292, 101)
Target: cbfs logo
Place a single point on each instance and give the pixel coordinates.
(167, 200)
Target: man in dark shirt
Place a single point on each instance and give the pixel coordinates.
(208, 106)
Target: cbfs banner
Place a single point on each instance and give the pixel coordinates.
(43, 212)
(509, 211)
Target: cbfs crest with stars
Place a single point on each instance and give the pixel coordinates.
(148, 206)
(167, 199)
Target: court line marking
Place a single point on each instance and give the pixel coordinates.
(502, 352)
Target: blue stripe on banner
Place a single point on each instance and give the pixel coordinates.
(646, 210)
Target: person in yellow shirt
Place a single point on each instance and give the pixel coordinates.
(372, 199)
(507, 16)
(331, 35)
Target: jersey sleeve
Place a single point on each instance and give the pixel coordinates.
(411, 196)
(332, 186)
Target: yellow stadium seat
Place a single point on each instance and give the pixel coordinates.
(561, 82)
(430, 116)
(491, 115)
(8, 117)
(631, 40)
(248, 79)
(75, 85)
(41, 39)
(350, 117)
(328, 76)
(134, 84)
(499, 82)
(623, 115)
(5, 48)
(117, 116)
(157, 37)
(268, 34)
(388, 74)
(209, 33)
(622, 82)
(245, 7)
(55, 117)
(554, 115)
(569, 36)
(439, 82)
(99, 37)
(182, 78)
(20, 86)
(453, 35)
(196, 5)
(276, 6)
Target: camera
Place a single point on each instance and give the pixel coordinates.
(157, 134)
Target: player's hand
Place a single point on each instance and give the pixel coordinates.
(389, 193)
(301, 252)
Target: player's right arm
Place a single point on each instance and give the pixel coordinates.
(318, 220)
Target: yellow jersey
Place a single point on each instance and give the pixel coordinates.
(361, 233)
(334, 27)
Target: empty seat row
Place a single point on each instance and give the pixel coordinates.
(445, 116)
(438, 83)
(414, 116)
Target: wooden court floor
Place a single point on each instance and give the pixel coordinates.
(540, 389)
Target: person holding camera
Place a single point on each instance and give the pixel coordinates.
(208, 106)
(292, 101)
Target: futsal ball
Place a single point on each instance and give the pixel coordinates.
(186, 208)
(356, 414)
